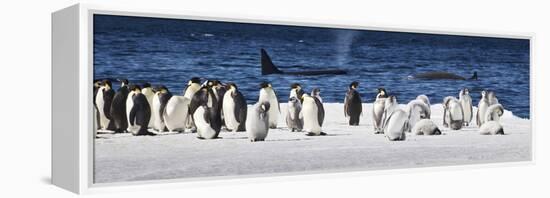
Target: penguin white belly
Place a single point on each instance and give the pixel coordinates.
(377, 113)
(100, 103)
(257, 127)
(175, 117)
(229, 112)
(203, 128)
(491, 128)
(129, 105)
(425, 127)
(395, 128)
(309, 113)
(466, 103)
(482, 109)
(149, 94)
(269, 95)
(158, 124)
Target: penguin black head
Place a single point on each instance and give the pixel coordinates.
(107, 83)
(295, 85)
(229, 85)
(437, 131)
(146, 85)
(194, 80)
(354, 85)
(264, 84)
(162, 88)
(134, 87)
(382, 92)
(123, 81)
(97, 83)
(315, 92)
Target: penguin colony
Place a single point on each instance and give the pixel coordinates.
(208, 107)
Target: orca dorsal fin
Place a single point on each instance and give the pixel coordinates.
(267, 66)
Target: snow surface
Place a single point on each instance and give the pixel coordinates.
(123, 157)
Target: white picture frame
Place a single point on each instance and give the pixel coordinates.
(72, 108)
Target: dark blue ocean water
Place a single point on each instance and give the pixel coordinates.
(170, 52)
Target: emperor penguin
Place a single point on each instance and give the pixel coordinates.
(234, 108)
(97, 85)
(453, 116)
(293, 120)
(104, 98)
(491, 128)
(118, 107)
(257, 121)
(140, 112)
(378, 110)
(219, 91)
(466, 102)
(353, 107)
(417, 110)
(206, 113)
(176, 113)
(147, 90)
(482, 108)
(313, 115)
(161, 97)
(267, 94)
(426, 127)
(129, 105)
(193, 86)
(395, 120)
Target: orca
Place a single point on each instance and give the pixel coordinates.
(269, 68)
(438, 75)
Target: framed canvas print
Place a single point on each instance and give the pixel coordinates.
(142, 96)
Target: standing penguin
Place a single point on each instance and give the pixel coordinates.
(118, 107)
(129, 105)
(193, 86)
(482, 108)
(466, 102)
(161, 97)
(293, 120)
(147, 90)
(267, 94)
(234, 108)
(97, 85)
(353, 106)
(378, 110)
(395, 120)
(257, 122)
(313, 115)
(453, 116)
(140, 114)
(206, 113)
(104, 98)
